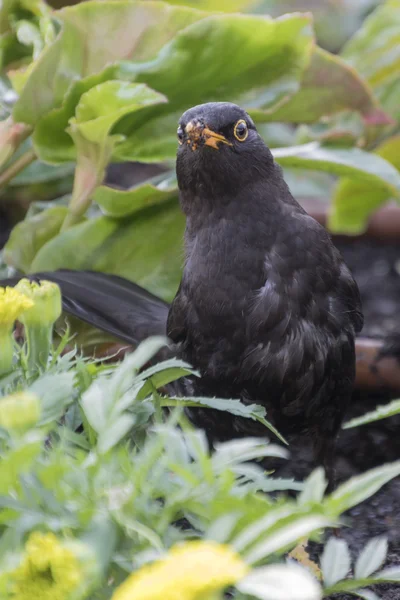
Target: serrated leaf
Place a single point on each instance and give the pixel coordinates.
(280, 582)
(220, 530)
(382, 412)
(235, 407)
(359, 488)
(371, 558)
(335, 561)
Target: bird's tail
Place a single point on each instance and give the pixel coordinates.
(110, 303)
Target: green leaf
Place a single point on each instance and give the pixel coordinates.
(16, 462)
(371, 558)
(56, 393)
(353, 162)
(254, 59)
(95, 35)
(235, 407)
(117, 430)
(335, 561)
(314, 488)
(382, 412)
(145, 248)
(355, 200)
(122, 203)
(216, 5)
(359, 488)
(278, 582)
(258, 69)
(30, 235)
(286, 535)
(374, 52)
(328, 86)
(39, 172)
(98, 110)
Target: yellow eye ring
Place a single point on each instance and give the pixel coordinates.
(241, 130)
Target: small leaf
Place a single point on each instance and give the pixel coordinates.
(287, 534)
(280, 582)
(335, 561)
(371, 558)
(314, 488)
(359, 488)
(366, 595)
(382, 412)
(391, 574)
(114, 433)
(56, 392)
(220, 530)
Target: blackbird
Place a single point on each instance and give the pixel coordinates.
(266, 310)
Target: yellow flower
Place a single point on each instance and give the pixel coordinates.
(19, 411)
(46, 302)
(12, 305)
(191, 571)
(49, 571)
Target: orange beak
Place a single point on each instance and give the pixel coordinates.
(198, 133)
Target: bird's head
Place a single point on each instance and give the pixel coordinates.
(219, 150)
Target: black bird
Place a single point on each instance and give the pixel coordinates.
(266, 309)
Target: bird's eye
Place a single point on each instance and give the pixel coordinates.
(179, 133)
(241, 131)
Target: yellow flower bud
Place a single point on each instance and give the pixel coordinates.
(191, 571)
(46, 297)
(12, 306)
(39, 320)
(19, 411)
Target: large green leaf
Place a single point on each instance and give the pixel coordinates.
(353, 162)
(356, 199)
(375, 52)
(254, 59)
(121, 203)
(30, 235)
(95, 35)
(97, 112)
(328, 86)
(146, 248)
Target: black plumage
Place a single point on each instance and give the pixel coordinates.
(266, 309)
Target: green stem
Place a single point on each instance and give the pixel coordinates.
(19, 165)
(6, 352)
(70, 220)
(39, 344)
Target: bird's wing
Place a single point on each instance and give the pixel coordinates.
(110, 303)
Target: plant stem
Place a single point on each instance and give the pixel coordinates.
(21, 163)
(39, 344)
(70, 220)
